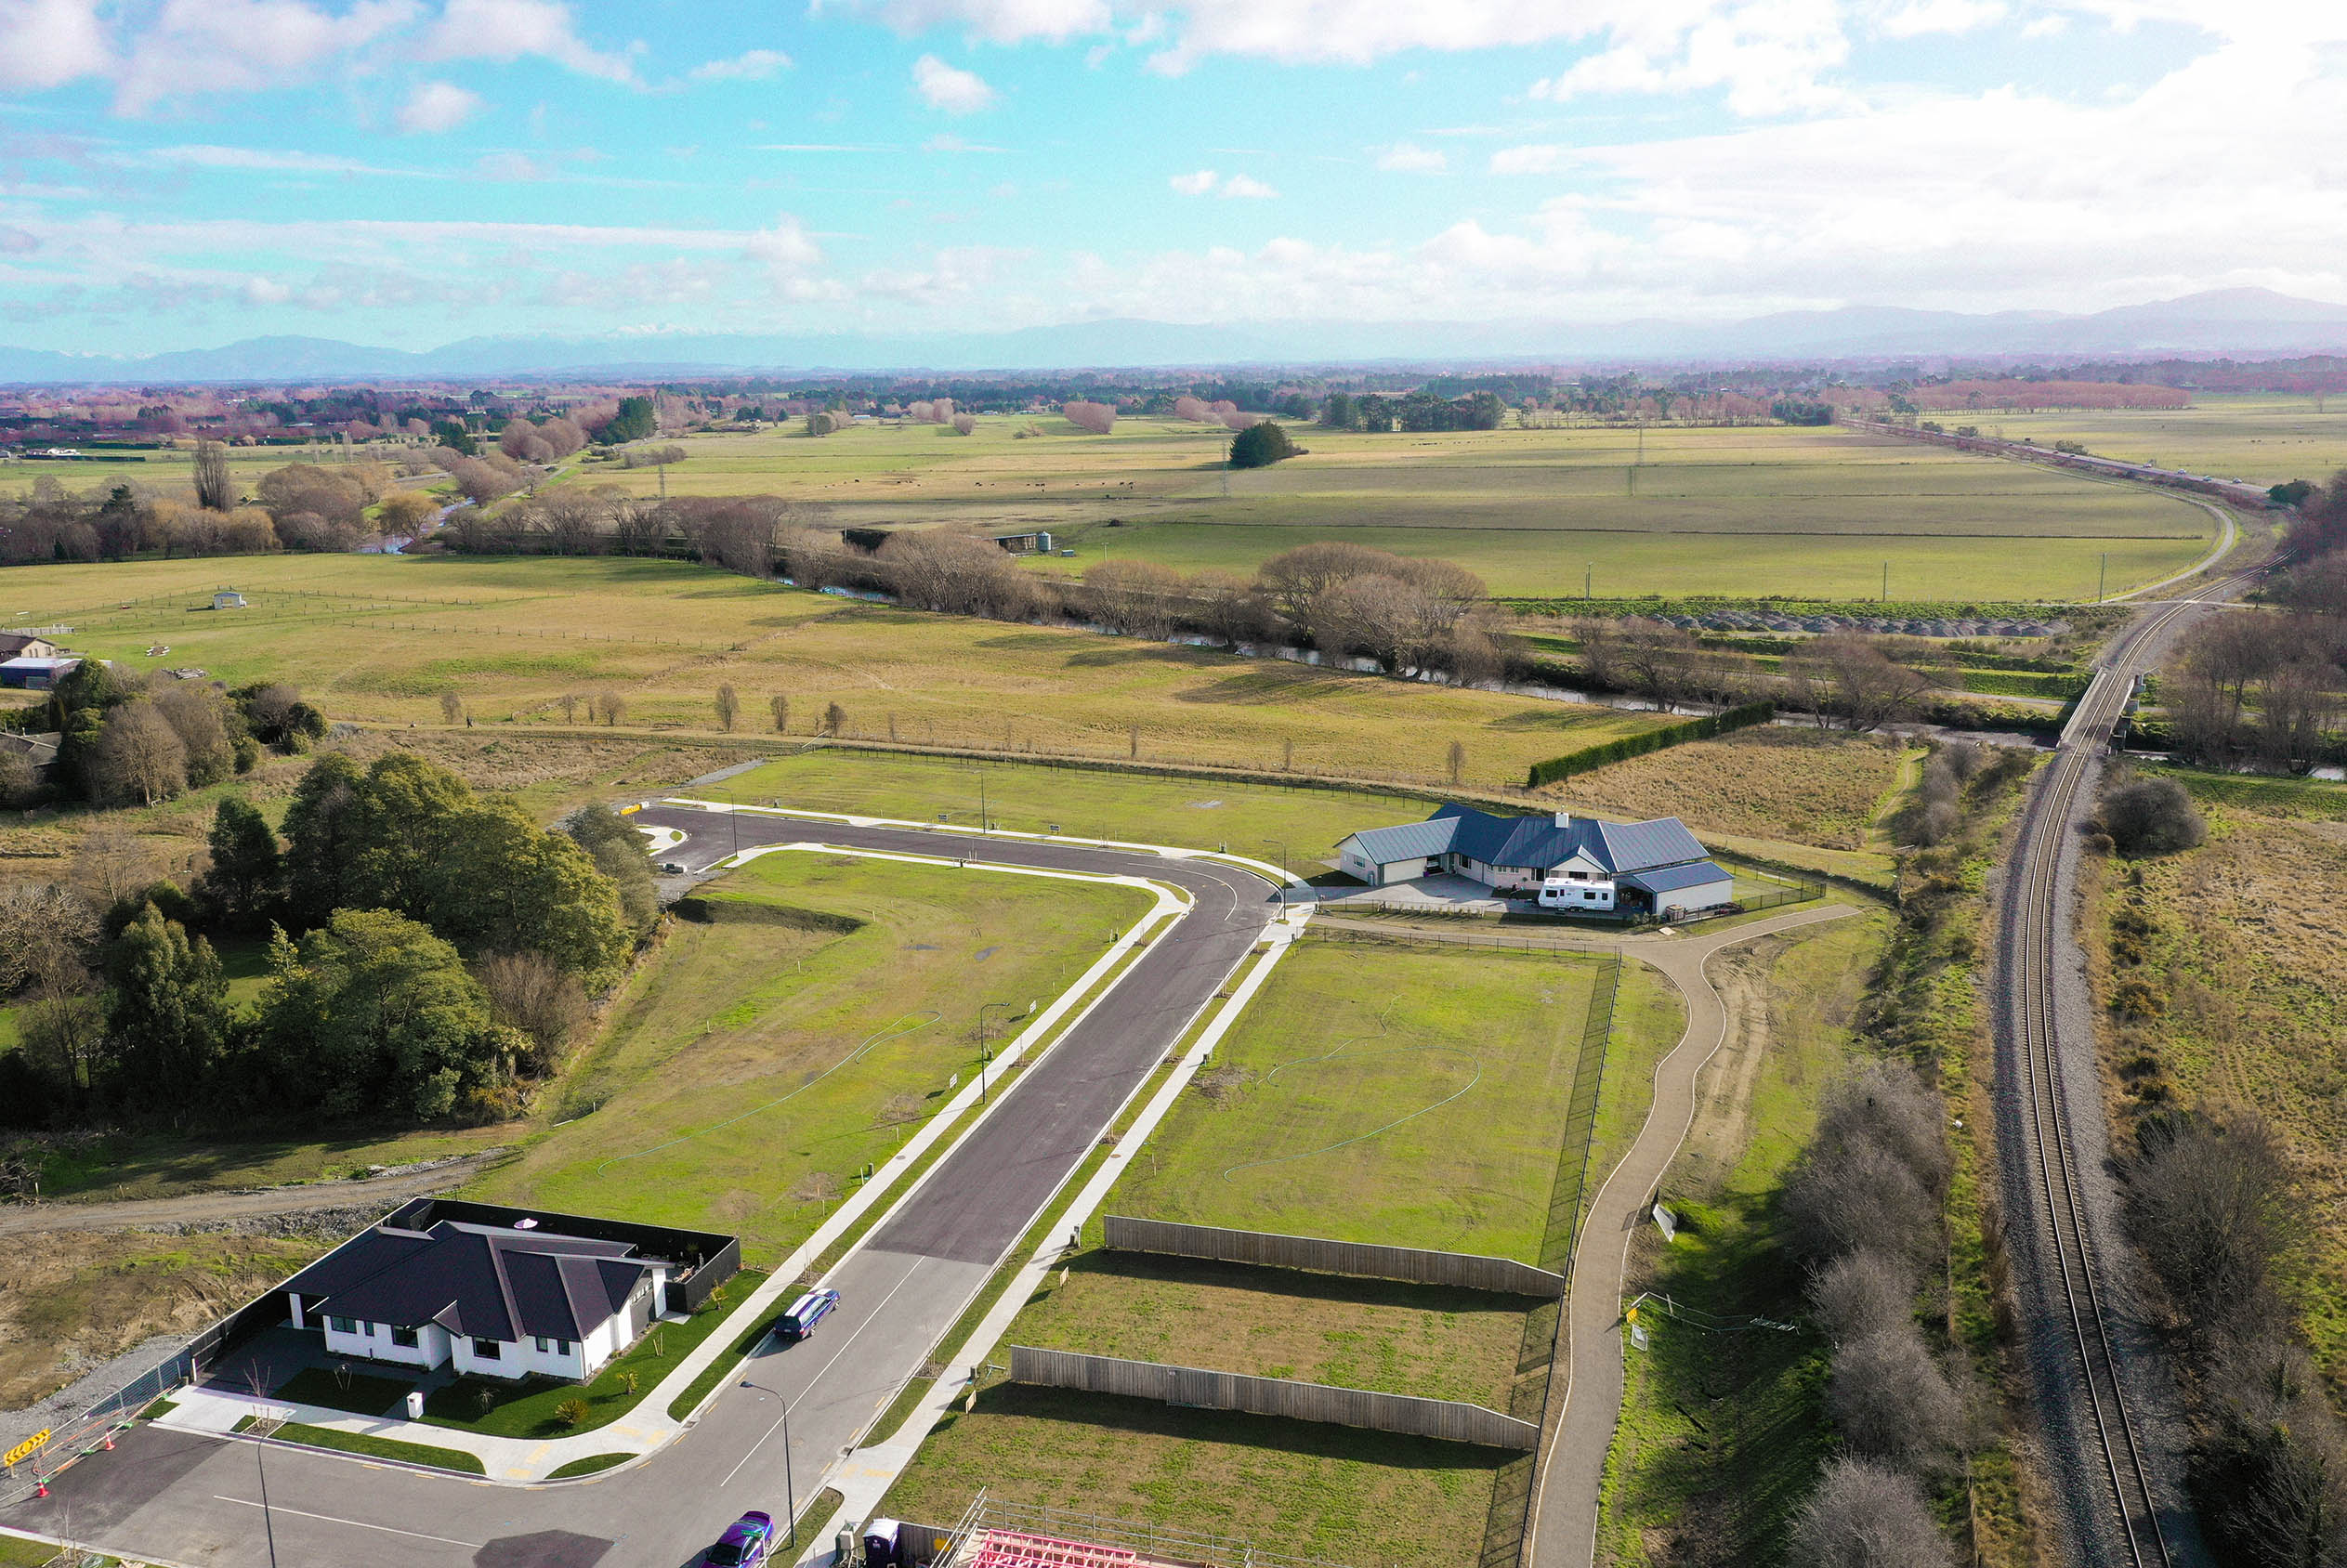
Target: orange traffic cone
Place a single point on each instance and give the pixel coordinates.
(109, 1443)
(40, 1488)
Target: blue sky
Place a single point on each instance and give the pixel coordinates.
(180, 172)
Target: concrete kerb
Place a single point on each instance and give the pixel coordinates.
(648, 1428)
(863, 1477)
(1279, 876)
(12, 1533)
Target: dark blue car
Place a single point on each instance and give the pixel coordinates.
(805, 1313)
(745, 1542)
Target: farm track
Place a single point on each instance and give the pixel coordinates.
(2124, 1511)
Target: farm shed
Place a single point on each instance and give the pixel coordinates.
(35, 674)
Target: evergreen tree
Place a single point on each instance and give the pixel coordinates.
(621, 853)
(167, 1008)
(1260, 446)
(320, 832)
(502, 884)
(248, 872)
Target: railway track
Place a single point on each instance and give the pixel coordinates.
(2049, 1158)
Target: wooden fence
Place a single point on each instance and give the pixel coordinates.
(1201, 1389)
(1467, 1270)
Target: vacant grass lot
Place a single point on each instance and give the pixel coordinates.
(382, 638)
(2265, 438)
(1264, 821)
(1409, 1095)
(1721, 1433)
(2251, 934)
(1765, 782)
(1428, 1340)
(1763, 510)
(1337, 1493)
(753, 1069)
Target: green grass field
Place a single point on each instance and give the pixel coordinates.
(381, 639)
(727, 1091)
(1408, 1095)
(373, 1447)
(2263, 439)
(1747, 511)
(1431, 1342)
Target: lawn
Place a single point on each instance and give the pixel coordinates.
(345, 1390)
(1536, 511)
(1428, 1340)
(382, 638)
(761, 1060)
(1404, 1094)
(1340, 1493)
(1721, 1433)
(593, 1463)
(373, 1447)
(530, 1408)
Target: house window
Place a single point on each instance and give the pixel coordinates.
(549, 1346)
(404, 1337)
(487, 1350)
(343, 1324)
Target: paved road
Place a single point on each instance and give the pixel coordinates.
(383, 1192)
(194, 1500)
(1564, 1529)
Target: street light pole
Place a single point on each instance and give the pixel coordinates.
(790, 1492)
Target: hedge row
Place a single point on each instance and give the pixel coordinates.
(1655, 740)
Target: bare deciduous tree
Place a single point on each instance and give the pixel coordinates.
(1457, 758)
(1866, 1515)
(537, 995)
(612, 706)
(139, 756)
(1849, 683)
(2207, 1200)
(1891, 1400)
(1097, 418)
(834, 719)
(781, 706)
(729, 708)
(214, 492)
(1138, 598)
(452, 707)
(1861, 1293)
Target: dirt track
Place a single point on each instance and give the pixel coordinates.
(202, 1208)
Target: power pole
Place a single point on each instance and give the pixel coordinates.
(1886, 583)
(1589, 570)
(2102, 578)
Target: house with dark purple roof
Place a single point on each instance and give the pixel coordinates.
(498, 1300)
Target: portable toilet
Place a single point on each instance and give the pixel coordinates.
(880, 1543)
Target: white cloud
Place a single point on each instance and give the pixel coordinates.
(1540, 158)
(266, 159)
(266, 291)
(1768, 55)
(515, 167)
(1204, 182)
(1196, 184)
(49, 42)
(1409, 158)
(245, 46)
(949, 87)
(784, 247)
(1247, 187)
(999, 21)
(1920, 17)
(508, 30)
(436, 107)
(752, 65)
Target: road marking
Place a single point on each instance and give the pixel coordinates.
(361, 1523)
(815, 1381)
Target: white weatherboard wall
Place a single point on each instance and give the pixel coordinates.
(508, 1363)
(372, 1343)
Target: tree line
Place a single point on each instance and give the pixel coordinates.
(431, 954)
(2265, 688)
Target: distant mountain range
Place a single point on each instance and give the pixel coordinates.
(2233, 322)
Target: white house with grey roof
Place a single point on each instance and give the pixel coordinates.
(493, 1301)
(1563, 861)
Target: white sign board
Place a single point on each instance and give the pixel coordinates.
(1667, 1223)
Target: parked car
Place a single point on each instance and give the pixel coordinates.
(672, 868)
(746, 1542)
(805, 1313)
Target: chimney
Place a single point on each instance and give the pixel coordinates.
(1564, 818)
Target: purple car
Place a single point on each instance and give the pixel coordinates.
(745, 1542)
